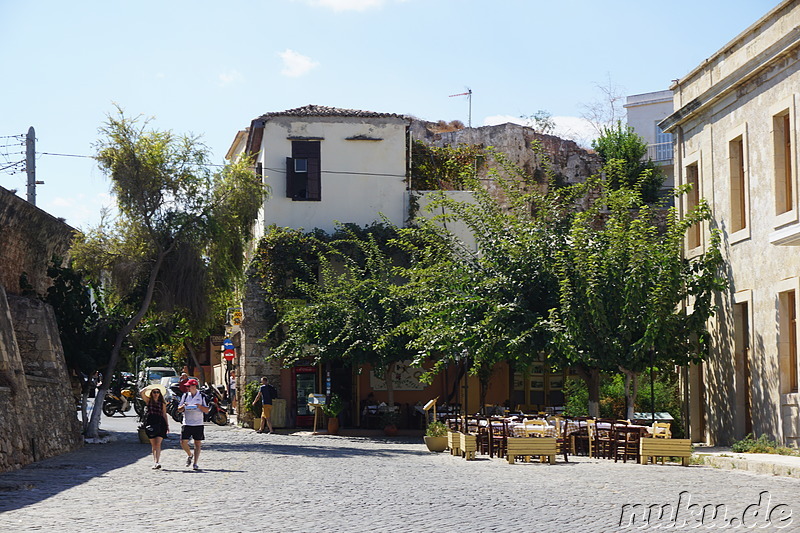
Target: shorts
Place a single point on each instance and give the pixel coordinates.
(195, 432)
(266, 411)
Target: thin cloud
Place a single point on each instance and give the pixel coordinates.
(296, 64)
(347, 5)
(230, 77)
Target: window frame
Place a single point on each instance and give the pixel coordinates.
(695, 234)
(739, 178)
(787, 303)
(782, 116)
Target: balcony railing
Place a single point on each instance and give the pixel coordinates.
(660, 152)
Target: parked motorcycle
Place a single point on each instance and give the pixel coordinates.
(118, 401)
(216, 412)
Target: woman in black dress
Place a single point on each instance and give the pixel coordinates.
(156, 423)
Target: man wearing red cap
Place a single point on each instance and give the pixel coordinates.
(193, 406)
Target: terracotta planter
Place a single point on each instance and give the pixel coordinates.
(333, 426)
(390, 430)
(436, 444)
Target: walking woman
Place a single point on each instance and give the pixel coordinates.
(156, 423)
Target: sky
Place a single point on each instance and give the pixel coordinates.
(208, 67)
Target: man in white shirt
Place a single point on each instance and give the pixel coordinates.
(193, 406)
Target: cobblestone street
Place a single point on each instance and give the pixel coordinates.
(301, 482)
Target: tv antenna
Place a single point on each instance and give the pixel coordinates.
(468, 94)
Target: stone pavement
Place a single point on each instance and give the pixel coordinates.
(302, 482)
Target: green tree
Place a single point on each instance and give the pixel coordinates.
(86, 327)
(639, 172)
(491, 302)
(351, 314)
(625, 288)
(176, 217)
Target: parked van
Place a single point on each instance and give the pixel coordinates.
(153, 374)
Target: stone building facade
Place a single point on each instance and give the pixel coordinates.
(355, 166)
(735, 127)
(38, 417)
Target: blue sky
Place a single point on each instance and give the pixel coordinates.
(209, 67)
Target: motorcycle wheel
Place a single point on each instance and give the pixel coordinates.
(109, 409)
(220, 418)
(176, 416)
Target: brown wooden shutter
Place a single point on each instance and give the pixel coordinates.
(314, 184)
(291, 180)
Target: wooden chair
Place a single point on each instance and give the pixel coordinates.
(591, 433)
(605, 438)
(498, 438)
(564, 442)
(535, 428)
(661, 430)
(580, 438)
(626, 443)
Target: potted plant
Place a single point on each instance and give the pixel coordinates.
(332, 409)
(389, 422)
(436, 436)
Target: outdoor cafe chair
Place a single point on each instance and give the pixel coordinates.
(498, 438)
(661, 430)
(605, 437)
(535, 428)
(626, 443)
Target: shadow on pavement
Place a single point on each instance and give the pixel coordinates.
(41, 480)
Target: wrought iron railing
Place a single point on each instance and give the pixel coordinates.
(660, 151)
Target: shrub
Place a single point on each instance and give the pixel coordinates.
(436, 429)
(249, 394)
(762, 444)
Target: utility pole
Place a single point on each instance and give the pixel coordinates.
(30, 165)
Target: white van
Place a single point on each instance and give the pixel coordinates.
(153, 374)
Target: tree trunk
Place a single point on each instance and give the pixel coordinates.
(93, 431)
(594, 392)
(592, 378)
(631, 391)
(193, 357)
(390, 384)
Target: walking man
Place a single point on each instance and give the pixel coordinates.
(193, 406)
(265, 393)
(232, 391)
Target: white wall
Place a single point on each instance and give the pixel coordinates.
(361, 179)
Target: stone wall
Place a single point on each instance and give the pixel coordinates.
(30, 238)
(37, 412)
(251, 363)
(570, 163)
(38, 418)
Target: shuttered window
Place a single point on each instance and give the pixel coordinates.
(303, 172)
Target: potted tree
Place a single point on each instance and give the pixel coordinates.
(436, 436)
(332, 409)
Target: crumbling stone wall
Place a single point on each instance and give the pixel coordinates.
(30, 237)
(38, 418)
(37, 412)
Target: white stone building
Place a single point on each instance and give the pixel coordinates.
(326, 164)
(735, 127)
(644, 112)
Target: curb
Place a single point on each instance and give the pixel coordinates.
(758, 467)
